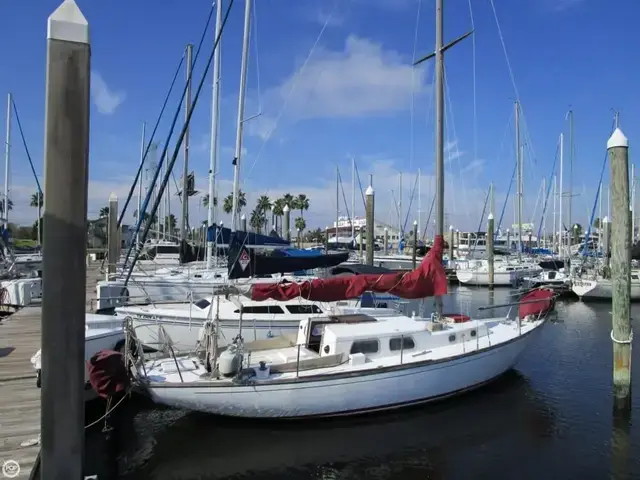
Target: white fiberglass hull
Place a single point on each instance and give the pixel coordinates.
(600, 289)
(472, 277)
(352, 392)
(102, 333)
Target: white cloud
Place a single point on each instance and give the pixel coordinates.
(105, 99)
(361, 80)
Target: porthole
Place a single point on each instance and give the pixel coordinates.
(452, 338)
(473, 333)
(327, 349)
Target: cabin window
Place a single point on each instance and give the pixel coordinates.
(452, 338)
(401, 343)
(202, 303)
(634, 277)
(303, 309)
(365, 346)
(167, 249)
(552, 275)
(473, 333)
(262, 309)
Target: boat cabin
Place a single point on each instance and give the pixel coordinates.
(361, 336)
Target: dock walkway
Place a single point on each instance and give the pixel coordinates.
(20, 336)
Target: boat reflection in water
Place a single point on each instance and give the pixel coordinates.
(442, 440)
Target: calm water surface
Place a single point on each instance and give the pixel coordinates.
(549, 418)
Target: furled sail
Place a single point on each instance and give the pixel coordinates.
(427, 280)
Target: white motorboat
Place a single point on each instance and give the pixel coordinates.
(548, 278)
(345, 365)
(102, 332)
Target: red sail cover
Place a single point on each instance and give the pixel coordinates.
(427, 280)
(539, 302)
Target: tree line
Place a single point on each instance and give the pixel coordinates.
(265, 206)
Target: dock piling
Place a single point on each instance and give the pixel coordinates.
(621, 334)
(415, 244)
(450, 246)
(66, 152)
(385, 241)
(369, 213)
(113, 250)
(287, 223)
(490, 229)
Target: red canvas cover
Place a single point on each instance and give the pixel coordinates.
(107, 373)
(427, 280)
(541, 301)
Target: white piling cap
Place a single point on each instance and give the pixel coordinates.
(451, 227)
(490, 217)
(286, 208)
(113, 197)
(386, 229)
(605, 220)
(415, 223)
(67, 23)
(617, 139)
(221, 223)
(243, 217)
(369, 191)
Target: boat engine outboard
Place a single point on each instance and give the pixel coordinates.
(230, 361)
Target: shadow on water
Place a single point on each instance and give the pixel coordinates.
(425, 441)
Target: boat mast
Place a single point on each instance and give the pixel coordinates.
(400, 209)
(571, 154)
(560, 195)
(633, 203)
(7, 158)
(519, 178)
(240, 122)
(353, 197)
(144, 127)
(600, 217)
(185, 170)
(419, 202)
(544, 214)
(337, 201)
(553, 230)
(213, 151)
(439, 141)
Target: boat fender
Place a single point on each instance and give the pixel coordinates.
(230, 361)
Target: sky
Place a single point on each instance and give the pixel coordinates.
(330, 81)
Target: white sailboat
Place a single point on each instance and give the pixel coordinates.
(350, 364)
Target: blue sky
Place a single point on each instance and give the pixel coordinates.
(354, 94)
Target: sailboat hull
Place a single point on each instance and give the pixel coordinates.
(351, 394)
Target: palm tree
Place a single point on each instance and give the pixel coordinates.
(205, 201)
(300, 223)
(34, 200)
(104, 212)
(287, 198)
(302, 204)
(9, 203)
(277, 210)
(228, 202)
(170, 223)
(258, 219)
(264, 204)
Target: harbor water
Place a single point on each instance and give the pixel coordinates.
(551, 417)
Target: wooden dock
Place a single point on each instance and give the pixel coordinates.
(20, 336)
